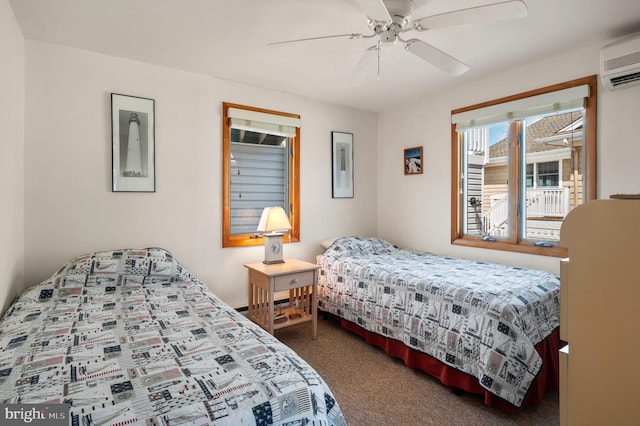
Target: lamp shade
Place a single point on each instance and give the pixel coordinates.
(273, 219)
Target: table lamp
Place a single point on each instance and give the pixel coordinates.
(272, 224)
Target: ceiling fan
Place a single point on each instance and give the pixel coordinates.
(389, 20)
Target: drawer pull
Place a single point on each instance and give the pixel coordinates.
(294, 281)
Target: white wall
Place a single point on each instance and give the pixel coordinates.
(12, 83)
(423, 220)
(71, 210)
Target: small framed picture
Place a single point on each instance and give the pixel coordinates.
(342, 164)
(413, 161)
(133, 144)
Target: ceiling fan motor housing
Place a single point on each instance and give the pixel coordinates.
(400, 12)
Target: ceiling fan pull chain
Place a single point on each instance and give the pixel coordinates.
(379, 49)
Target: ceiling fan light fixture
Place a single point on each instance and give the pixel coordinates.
(389, 37)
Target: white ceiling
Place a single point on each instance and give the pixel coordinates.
(228, 40)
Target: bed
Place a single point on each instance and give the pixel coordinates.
(132, 337)
(478, 327)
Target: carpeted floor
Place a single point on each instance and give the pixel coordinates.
(374, 389)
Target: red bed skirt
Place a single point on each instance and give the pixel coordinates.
(547, 379)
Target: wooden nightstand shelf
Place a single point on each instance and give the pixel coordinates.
(297, 277)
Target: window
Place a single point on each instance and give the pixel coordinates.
(546, 174)
(260, 169)
(520, 164)
(543, 174)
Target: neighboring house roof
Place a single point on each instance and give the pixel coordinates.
(553, 125)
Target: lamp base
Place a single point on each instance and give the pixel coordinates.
(273, 248)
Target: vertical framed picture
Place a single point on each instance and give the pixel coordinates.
(133, 144)
(413, 161)
(342, 165)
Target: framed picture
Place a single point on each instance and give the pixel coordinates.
(413, 161)
(133, 144)
(342, 165)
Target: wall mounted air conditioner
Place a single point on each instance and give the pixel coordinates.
(620, 63)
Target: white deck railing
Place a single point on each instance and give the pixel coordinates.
(494, 219)
(547, 202)
(540, 203)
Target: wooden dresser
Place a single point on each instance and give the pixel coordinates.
(600, 314)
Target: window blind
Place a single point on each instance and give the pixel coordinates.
(531, 106)
(259, 176)
(263, 122)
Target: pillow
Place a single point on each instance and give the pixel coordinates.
(369, 245)
(357, 246)
(327, 243)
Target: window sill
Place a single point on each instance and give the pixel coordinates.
(246, 240)
(522, 247)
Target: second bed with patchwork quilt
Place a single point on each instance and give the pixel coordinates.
(480, 318)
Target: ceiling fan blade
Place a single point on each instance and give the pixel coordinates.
(366, 63)
(436, 57)
(490, 12)
(375, 9)
(351, 36)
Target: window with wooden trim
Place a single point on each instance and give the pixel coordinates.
(261, 168)
(520, 164)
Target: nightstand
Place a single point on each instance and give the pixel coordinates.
(297, 277)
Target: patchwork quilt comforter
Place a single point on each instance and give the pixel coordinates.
(483, 319)
(132, 337)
